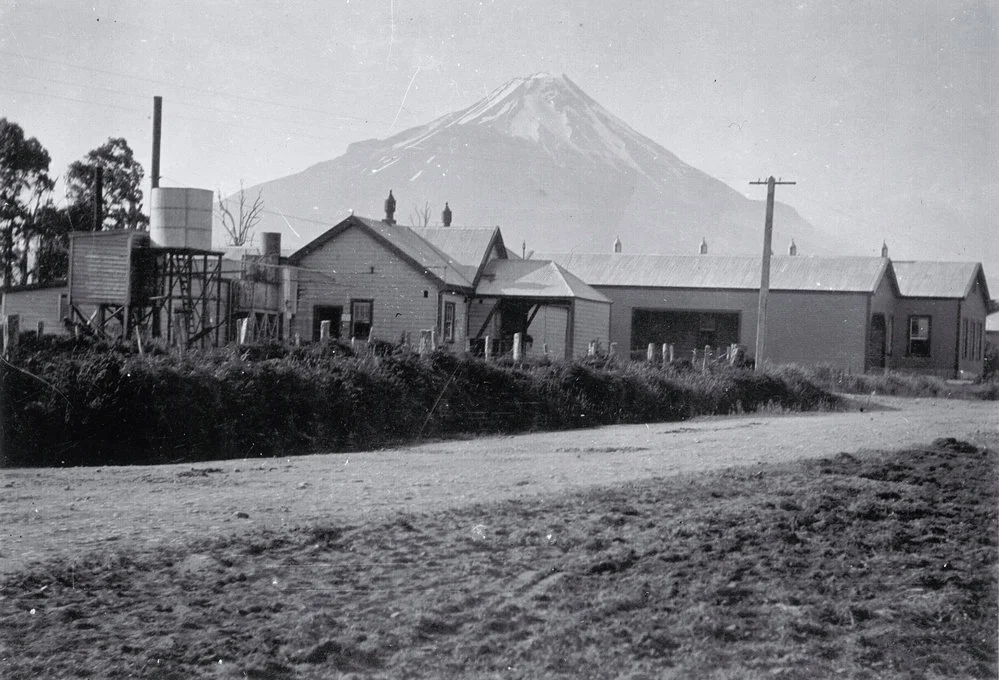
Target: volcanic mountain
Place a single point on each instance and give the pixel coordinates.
(546, 163)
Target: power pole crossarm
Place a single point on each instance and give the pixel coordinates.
(768, 232)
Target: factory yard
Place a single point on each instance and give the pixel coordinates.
(705, 547)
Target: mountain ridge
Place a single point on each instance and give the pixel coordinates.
(547, 164)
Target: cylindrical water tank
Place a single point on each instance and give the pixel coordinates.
(181, 218)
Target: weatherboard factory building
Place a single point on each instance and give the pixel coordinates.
(852, 313)
(376, 280)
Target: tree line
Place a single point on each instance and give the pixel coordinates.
(34, 230)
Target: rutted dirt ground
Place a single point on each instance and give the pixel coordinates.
(67, 513)
(874, 565)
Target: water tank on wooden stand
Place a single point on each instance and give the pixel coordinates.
(181, 218)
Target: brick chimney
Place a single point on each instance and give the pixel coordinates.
(704, 246)
(793, 248)
(446, 215)
(390, 209)
(617, 245)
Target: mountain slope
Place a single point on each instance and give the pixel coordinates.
(546, 163)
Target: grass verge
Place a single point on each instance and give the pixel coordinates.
(878, 565)
(901, 384)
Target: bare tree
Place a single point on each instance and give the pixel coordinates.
(238, 226)
(420, 217)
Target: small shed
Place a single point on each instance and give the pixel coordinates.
(39, 306)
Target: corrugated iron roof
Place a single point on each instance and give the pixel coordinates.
(787, 272)
(937, 279)
(467, 246)
(442, 265)
(407, 242)
(533, 279)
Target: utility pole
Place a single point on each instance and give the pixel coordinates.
(768, 233)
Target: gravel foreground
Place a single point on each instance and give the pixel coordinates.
(865, 565)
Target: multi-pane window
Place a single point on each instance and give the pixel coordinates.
(360, 319)
(919, 336)
(448, 327)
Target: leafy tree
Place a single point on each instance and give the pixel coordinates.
(122, 179)
(53, 226)
(238, 226)
(24, 184)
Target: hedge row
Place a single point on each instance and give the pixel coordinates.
(87, 405)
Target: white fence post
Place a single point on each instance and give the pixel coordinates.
(11, 332)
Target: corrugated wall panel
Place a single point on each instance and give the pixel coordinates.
(807, 328)
(39, 305)
(591, 321)
(99, 268)
(548, 328)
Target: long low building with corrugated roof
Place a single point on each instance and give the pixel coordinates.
(852, 313)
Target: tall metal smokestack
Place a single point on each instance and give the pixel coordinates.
(98, 198)
(157, 130)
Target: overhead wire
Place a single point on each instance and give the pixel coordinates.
(194, 88)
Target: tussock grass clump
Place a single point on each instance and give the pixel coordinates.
(70, 403)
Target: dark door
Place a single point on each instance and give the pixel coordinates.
(876, 342)
(322, 313)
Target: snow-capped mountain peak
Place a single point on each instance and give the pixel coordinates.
(548, 164)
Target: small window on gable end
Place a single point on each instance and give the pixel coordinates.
(919, 336)
(426, 293)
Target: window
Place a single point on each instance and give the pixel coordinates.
(890, 338)
(360, 319)
(919, 336)
(979, 345)
(448, 329)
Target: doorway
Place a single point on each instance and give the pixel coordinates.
(322, 313)
(876, 342)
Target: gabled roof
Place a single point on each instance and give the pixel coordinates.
(466, 246)
(405, 242)
(939, 279)
(532, 279)
(787, 272)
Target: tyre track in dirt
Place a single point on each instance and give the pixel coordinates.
(67, 514)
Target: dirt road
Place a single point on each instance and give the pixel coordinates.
(68, 513)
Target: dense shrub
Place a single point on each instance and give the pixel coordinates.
(77, 403)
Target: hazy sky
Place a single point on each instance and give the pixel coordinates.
(882, 111)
